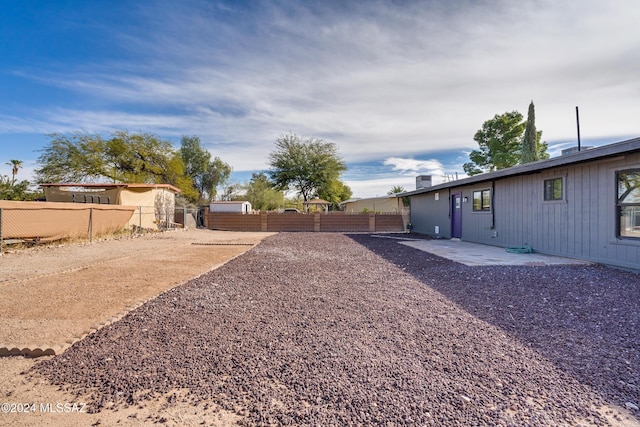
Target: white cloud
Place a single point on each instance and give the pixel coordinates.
(379, 187)
(415, 167)
(386, 81)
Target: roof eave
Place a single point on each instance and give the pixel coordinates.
(610, 150)
(111, 185)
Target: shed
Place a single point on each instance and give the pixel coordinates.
(242, 207)
(583, 205)
(155, 202)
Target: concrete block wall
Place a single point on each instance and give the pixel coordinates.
(232, 221)
(389, 223)
(289, 222)
(355, 223)
(319, 222)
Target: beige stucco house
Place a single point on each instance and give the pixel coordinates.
(385, 204)
(155, 203)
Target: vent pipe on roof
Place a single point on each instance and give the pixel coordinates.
(578, 126)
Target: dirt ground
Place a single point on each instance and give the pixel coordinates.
(53, 296)
(295, 341)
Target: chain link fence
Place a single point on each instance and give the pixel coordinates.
(190, 217)
(34, 222)
(26, 222)
(151, 218)
(154, 218)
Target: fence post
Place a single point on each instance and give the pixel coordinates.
(316, 222)
(90, 225)
(0, 230)
(139, 219)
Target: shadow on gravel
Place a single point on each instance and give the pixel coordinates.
(584, 319)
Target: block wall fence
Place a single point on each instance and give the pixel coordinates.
(315, 222)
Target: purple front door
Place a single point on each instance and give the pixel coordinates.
(456, 215)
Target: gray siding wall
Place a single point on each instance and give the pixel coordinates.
(581, 225)
(476, 226)
(427, 213)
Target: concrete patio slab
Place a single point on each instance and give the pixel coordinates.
(474, 254)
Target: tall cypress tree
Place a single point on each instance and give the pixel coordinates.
(530, 149)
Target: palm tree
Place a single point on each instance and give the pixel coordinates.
(395, 190)
(15, 164)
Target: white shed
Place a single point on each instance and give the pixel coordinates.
(232, 206)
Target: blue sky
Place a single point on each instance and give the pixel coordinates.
(400, 86)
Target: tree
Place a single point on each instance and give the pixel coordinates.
(72, 158)
(395, 190)
(12, 190)
(399, 189)
(129, 157)
(335, 192)
(218, 173)
(125, 157)
(142, 158)
(500, 144)
(530, 141)
(205, 173)
(308, 166)
(15, 166)
(232, 192)
(261, 194)
(542, 147)
(532, 148)
(182, 180)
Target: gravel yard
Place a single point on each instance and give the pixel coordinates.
(331, 329)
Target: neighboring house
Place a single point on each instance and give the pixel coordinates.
(583, 205)
(156, 202)
(243, 207)
(386, 204)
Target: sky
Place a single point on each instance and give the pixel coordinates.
(400, 87)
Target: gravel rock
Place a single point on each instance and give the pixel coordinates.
(331, 329)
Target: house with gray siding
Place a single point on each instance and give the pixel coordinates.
(582, 205)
